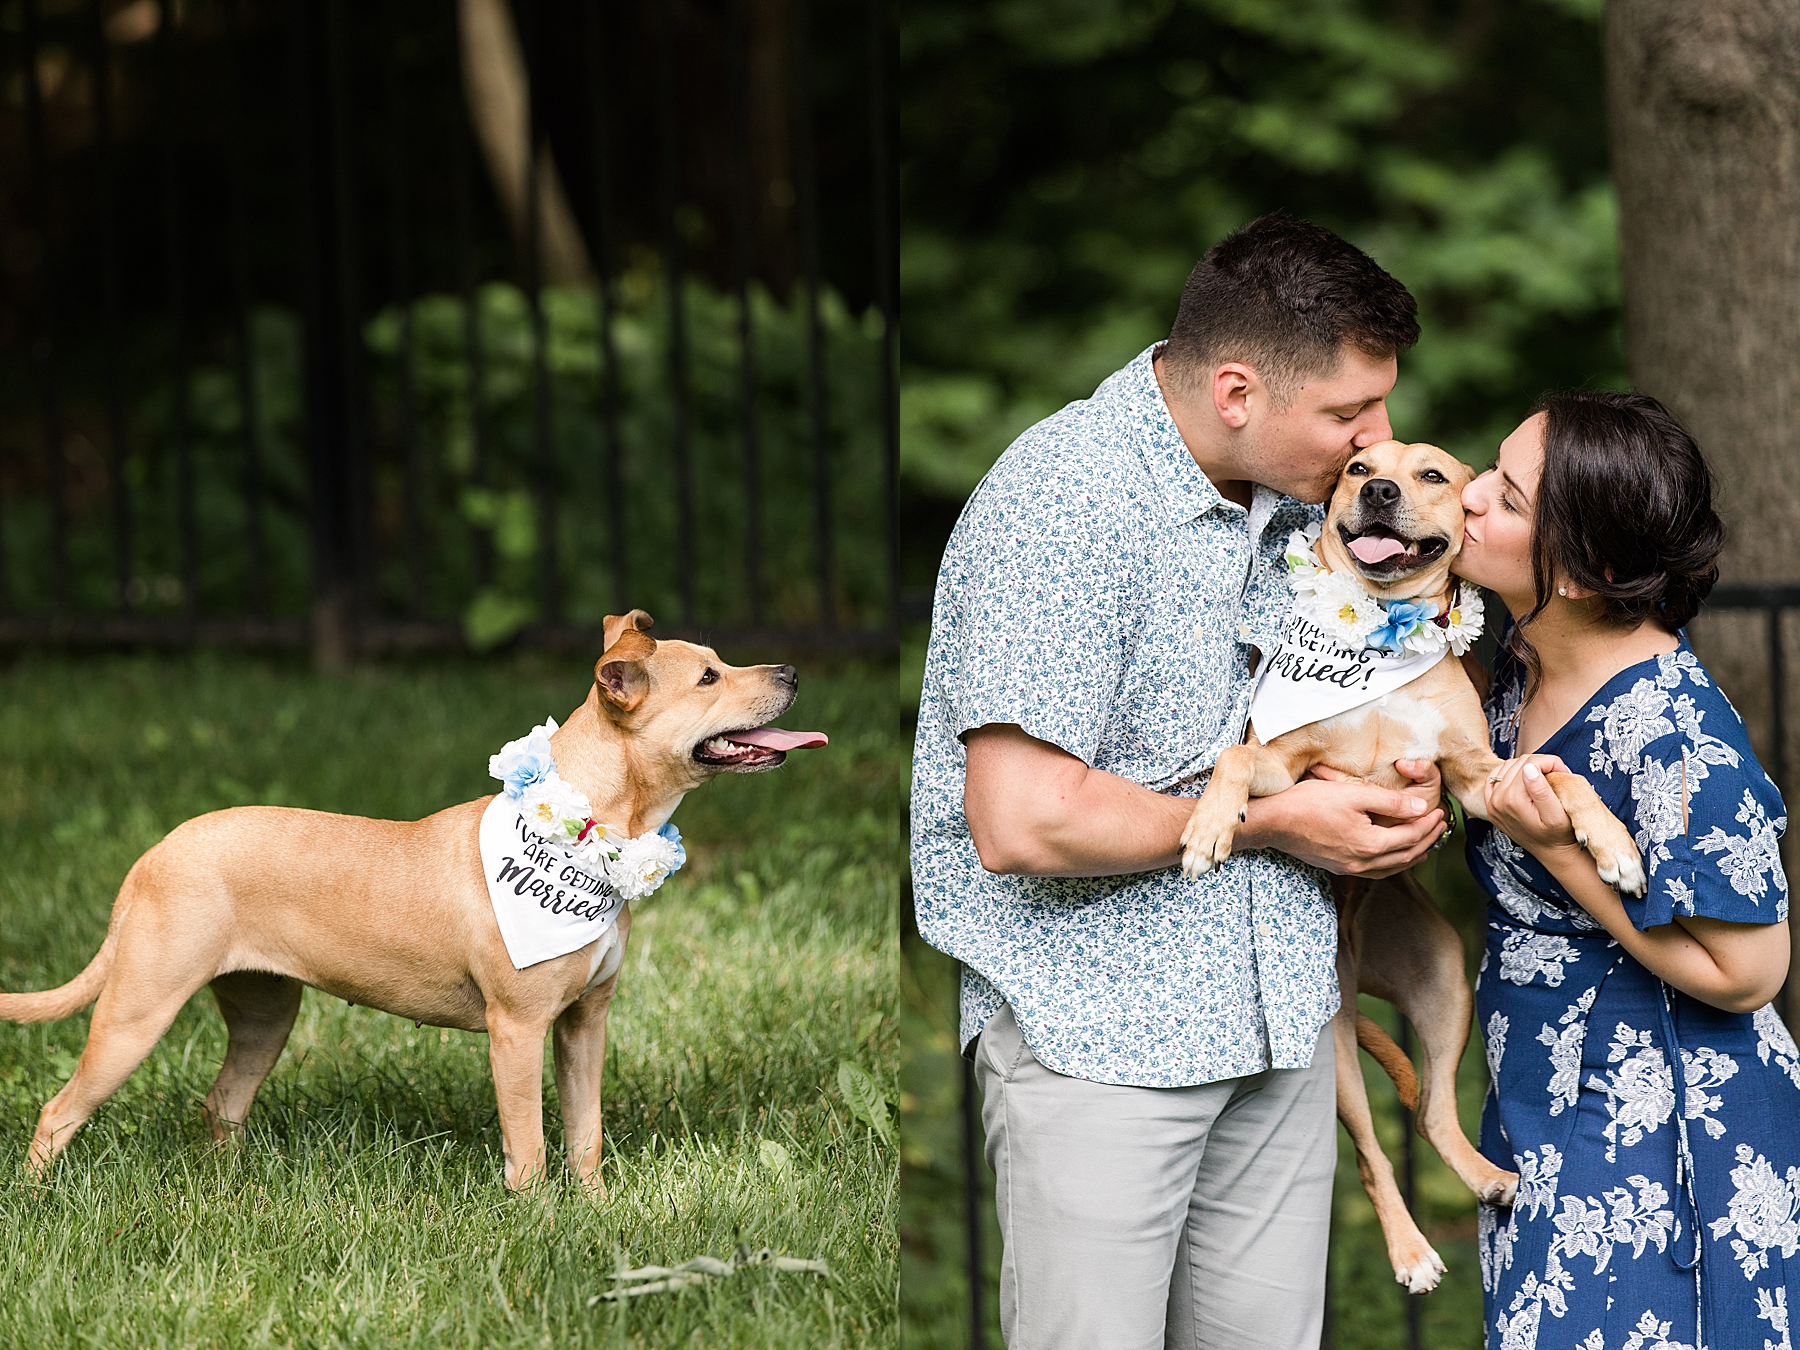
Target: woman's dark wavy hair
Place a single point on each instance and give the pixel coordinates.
(1624, 509)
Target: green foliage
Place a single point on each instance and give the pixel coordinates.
(865, 1099)
(478, 499)
(1065, 164)
(364, 1206)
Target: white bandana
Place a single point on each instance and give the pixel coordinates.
(547, 901)
(556, 876)
(1311, 676)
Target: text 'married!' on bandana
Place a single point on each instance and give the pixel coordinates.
(547, 901)
(1311, 676)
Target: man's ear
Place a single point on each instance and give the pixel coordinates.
(1232, 385)
(619, 674)
(636, 621)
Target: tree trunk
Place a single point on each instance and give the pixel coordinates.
(499, 93)
(1705, 114)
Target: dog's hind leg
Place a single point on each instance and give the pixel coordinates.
(1416, 1264)
(130, 1018)
(259, 1011)
(1412, 957)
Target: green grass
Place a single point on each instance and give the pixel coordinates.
(1368, 1310)
(364, 1205)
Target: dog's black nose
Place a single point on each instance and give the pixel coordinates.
(1380, 492)
(786, 675)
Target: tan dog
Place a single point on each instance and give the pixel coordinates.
(1401, 505)
(260, 900)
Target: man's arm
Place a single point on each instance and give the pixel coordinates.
(1036, 810)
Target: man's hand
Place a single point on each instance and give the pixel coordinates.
(1427, 785)
(1338, 823)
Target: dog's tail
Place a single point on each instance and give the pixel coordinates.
(49, 1005)
(1378, 1043)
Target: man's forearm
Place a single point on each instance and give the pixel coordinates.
(1091, 824)
(1035, 810)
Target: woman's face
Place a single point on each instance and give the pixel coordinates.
(1500, 503)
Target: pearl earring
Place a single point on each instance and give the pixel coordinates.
(1562, 590)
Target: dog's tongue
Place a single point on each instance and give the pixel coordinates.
(1372, 548)
(774, 738)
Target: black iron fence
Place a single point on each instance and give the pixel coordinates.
(416, 324)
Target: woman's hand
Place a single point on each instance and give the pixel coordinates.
(1523, 808)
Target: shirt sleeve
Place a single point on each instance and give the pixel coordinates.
(1046, 611)
(1709, 823)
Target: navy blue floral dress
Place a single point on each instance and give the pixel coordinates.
(1654, 1212)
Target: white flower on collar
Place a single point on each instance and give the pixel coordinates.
(1344, 609)
(554, 809)
(1466, 617)
(643, 864)
(1303, 568)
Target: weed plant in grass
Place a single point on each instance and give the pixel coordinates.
(364, 1205)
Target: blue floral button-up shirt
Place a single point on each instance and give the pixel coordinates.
(1099, 593)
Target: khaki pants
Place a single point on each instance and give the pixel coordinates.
(1141, 1218)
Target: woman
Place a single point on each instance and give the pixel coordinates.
(1654, 1212)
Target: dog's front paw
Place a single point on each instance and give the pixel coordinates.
(1421, 1275)
(1500, 1191)
(1616, 857)
(1206, 842)
(1607, 841)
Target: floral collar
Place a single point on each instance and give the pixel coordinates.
(561, 814)
(1338, 603)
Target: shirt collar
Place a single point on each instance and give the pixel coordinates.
(1184, 488)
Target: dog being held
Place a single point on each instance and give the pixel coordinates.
(258, 901)
(1395, 523)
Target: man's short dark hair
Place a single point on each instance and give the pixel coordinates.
(1283, 296)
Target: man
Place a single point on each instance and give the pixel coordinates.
(1154, 1054)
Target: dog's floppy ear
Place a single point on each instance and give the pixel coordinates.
(619, 674)
(636, 621)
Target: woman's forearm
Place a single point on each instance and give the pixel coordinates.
(1733, 966)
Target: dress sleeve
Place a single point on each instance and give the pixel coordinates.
(1708, 820)
(1047, 612)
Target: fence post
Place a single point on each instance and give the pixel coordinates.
(887, 266)
(175, 275)
(742, 251)
(674, 278)
(45, 325)
(537, 149)
(249, 407)
(328, 396)
(972, 1202)
(104, 178)
(599, 87)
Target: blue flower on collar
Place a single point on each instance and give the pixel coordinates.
(1403, 617)
(673, 835)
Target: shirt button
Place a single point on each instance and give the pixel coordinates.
(1243, 632)
(1262, 929)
